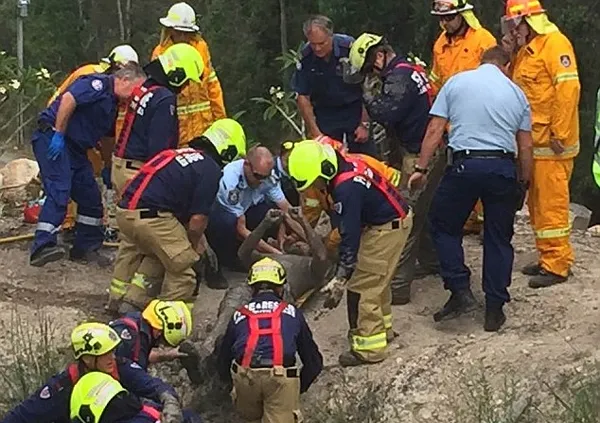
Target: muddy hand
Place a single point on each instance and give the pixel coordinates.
(296, 214)
(274, 217)
(334, 291)
(171, 411)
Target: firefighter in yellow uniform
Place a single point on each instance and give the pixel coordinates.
(546, 70)
(198, 104)
(120, 55)
(459, 48)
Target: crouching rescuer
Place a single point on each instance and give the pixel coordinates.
(259, 351)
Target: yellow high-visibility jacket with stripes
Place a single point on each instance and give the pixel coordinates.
(546, 70)
(198, 104)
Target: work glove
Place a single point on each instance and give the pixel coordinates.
(171, 410)
(105, 174)
(57, 146)
(334, 291)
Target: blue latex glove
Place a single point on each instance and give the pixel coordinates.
(57, 146)
(106, 177)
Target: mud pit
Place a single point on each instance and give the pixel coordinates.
(548, 332)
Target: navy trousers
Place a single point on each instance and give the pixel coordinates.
(494, 181)
(70, 175)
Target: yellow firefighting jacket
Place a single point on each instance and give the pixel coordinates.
(457, 54)
(546, 70)
(198, 104)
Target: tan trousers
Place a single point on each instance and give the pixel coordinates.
(149, 247)
(122, 171)
(369, 289)
(266, 395)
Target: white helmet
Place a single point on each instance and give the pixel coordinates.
(122, 54)
(181, 17)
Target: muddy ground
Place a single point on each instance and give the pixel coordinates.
(549, 332)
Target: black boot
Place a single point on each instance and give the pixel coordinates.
(545, 279)
(494, 318)
(460, 302)
(215, 280)
(401, 295)
(532, 269)
(46, 255)
(90, 256)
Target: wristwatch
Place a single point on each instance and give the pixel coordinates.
(419, 169)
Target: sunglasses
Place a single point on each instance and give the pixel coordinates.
(257, 175)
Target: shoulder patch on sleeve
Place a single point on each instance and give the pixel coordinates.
(338, 207)
(45, 392)
(565, 60)
(234, 196)
(125, 335)
(97, 85)
(134, 365)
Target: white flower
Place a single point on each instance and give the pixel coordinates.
(43, 74)
(2, 53)
(3, 90)
(272, 90)
(279, 95)
(15, 85)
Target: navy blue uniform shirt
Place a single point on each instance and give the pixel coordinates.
(95, 114)
(403, 104)
(186, 186)
(155, 127)
(297, 338)
(357, 202)
(337, 105)
(51, 403)
(136, 338)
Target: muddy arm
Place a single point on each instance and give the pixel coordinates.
(247, 252)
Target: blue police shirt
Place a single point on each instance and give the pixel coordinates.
(136, 338)
(51, 403)
(485, 110)
(403, 104)
(185, 187)
(95, 114)
(236, 196)
(337, 105)
(358, 203)
(155, 127)
(297, 338)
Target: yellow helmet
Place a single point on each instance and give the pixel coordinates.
(310, 160)
(449, 7)
(360, 49)
(173, 318)
(229, 139)
(91, 395)
(267, 270)
(181, 63)
(93, 339)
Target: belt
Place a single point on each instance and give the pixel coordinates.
(148, 214)
(130, 165)
(291, 372)
(482, 154)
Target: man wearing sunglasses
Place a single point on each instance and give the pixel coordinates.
(248, 189)
(459, 48)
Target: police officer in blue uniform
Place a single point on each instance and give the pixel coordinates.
(374, 223)
(328, 105)
(150, 124)
(163, 213)
(258, 351)
(99, 398)
(483, 166)
(72, 124)
(93, 345)
(402, 105)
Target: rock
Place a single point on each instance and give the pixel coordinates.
(580, 216)
(18, 173)
(594, 231)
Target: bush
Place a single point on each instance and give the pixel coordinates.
(32, 357)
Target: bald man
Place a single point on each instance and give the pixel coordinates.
(248, 189)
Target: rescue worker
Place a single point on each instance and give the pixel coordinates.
(71, 125)
(166, 322)
(94, 347)
(97, 397)
(199, 104)
(259, 351)
(545, 68)
(374, 224)
(100, 160)
(163, 214)
(151, 118)
(459, 48)
(402, 107)
(483, 166)
(247, 190)
(596, 161)
(328, 105)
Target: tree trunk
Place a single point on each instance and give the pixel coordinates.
(283, 35)
(121, 23)
(129, 31)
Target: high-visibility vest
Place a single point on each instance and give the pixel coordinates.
(255, 331)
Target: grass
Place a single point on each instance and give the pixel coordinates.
(32, 356)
